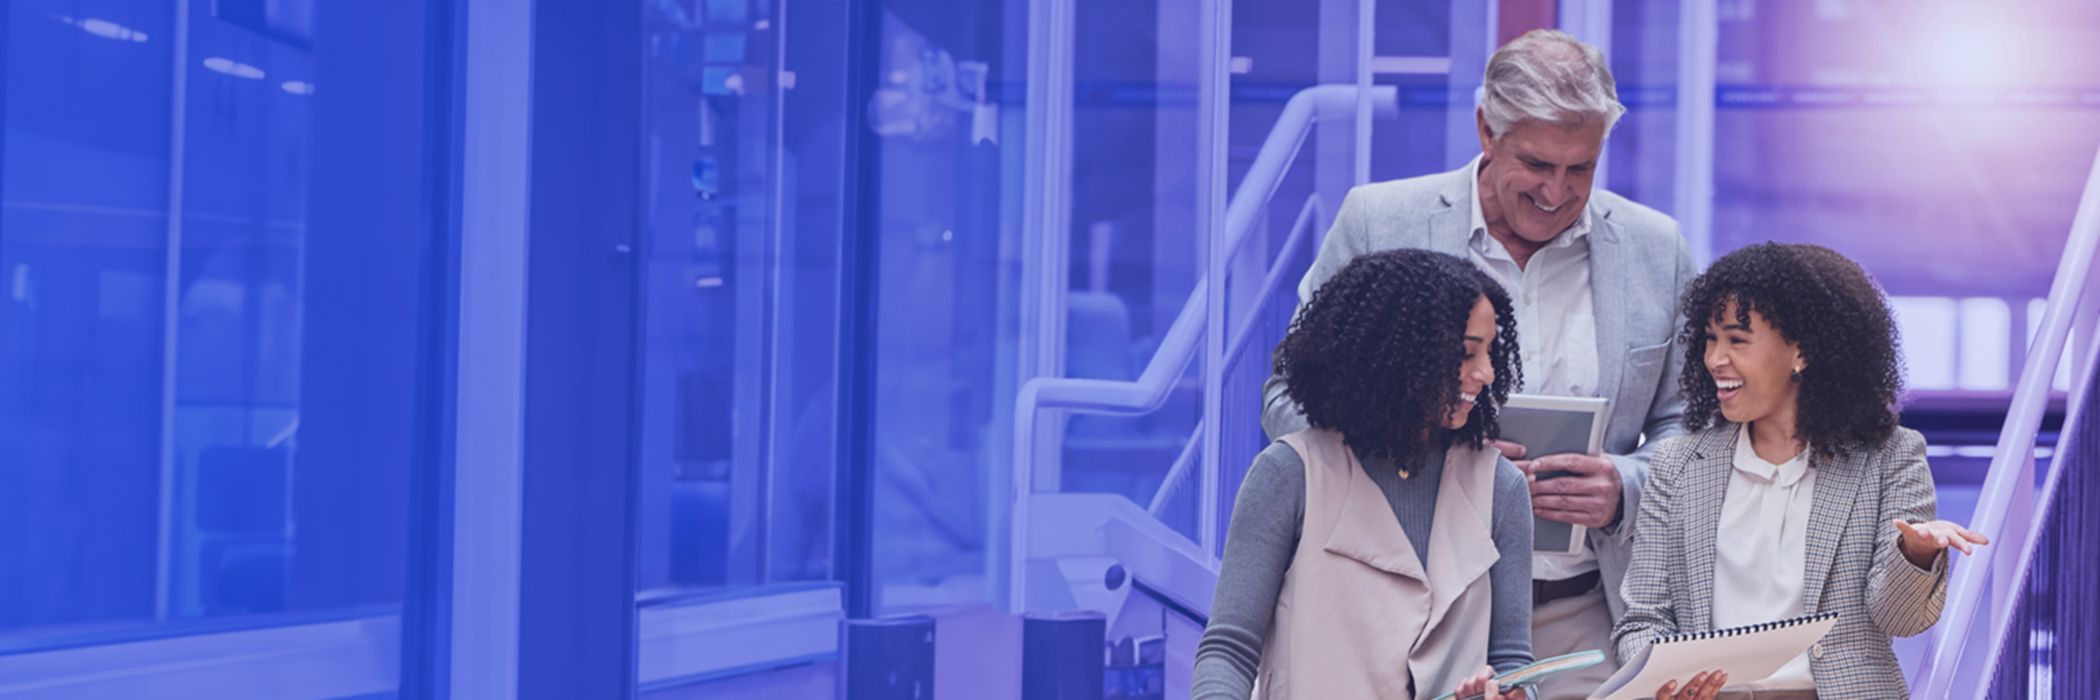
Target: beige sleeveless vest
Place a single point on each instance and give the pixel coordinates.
(1357, 614)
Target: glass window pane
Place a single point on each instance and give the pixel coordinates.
(83, 245)
(1415, 39)
(740, 303)
(1136, 250)
(1642, 151)
(220, 374)
(949, 220)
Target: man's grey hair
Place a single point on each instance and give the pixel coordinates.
(1546, 75)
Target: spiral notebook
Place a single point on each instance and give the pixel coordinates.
(1747, 653)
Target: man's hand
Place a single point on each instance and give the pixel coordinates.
(1588, 494)
(1510, 450)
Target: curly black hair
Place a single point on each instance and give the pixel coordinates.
(1375, 354)
(1828, 306)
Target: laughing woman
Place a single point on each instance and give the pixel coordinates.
(1384, 552)
(1797, 493)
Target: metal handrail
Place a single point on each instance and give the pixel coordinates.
(1307, 216)
(1175, 474)
(2071, 441)
(1277, 277)
(1150, 390)
(2012, 464)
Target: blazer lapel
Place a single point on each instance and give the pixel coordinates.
(1369, 532)
(1705, 487)
(1613, 269)
(1450, 226)
(1837, 486)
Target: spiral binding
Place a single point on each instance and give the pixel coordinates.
(1745, 629)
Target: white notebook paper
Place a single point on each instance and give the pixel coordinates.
(1748, 654)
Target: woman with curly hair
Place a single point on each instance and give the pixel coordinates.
(1796, 493)
(1384, 552)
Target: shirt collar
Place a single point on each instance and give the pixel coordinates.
(1481, 242)
(1782, 475)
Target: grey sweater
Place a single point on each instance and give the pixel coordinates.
(1263, 537)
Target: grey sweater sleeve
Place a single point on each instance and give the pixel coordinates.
(1509, 624)
(1259, 544)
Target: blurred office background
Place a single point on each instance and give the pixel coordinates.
(832, 348)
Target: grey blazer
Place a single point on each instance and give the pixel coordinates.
(1639, 267)
(1854, 567)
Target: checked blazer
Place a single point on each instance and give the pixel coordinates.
(1853, 567)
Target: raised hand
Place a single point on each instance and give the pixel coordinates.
(1922, 542)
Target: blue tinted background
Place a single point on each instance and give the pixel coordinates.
(221, 328)
(784, 272)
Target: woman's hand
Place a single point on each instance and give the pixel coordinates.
(1703, 686)
(1922, 542)
(1482, 685)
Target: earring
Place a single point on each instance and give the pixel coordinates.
(1797, 375)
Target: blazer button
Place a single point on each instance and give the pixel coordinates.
(1816, 650)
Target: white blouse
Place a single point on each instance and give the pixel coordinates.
(1762, 552)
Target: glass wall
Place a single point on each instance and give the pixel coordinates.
(224, 261)
(1641, 156)
(740, 302)
(942, 235)
(739, 334)
(1435, 78)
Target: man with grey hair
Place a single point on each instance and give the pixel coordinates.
(1595, 280)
